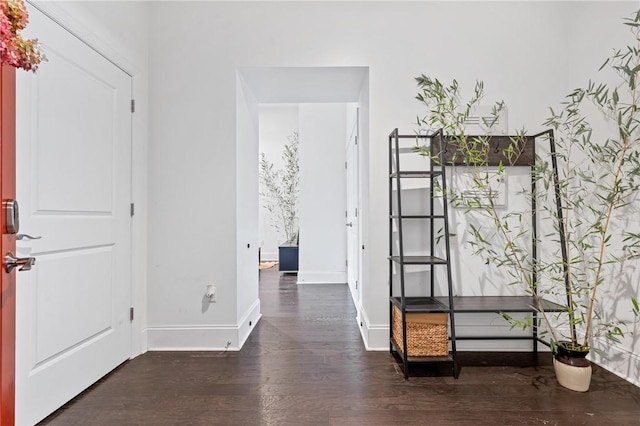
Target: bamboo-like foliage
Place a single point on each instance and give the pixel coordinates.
(598, 181)
(279, 190)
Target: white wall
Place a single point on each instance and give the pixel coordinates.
(247, 243)
(588, 50)
(372, 333)
(323, 246)
(277, 123)
(519, 49)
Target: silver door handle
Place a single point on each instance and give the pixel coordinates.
(24, 263)
(350, 224)
(27, 236)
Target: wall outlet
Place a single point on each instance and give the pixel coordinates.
(211, 293)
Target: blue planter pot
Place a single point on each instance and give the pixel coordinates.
(288, 258)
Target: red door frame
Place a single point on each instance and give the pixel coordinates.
(7, 243)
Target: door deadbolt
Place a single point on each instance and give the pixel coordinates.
(11, 216)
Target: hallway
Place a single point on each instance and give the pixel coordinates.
(305, 364)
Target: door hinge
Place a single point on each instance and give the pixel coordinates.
(133, 105)
(345, 165)
(133, 209)
(346, 262)
(131, 314)
(356, 212)
(356, 140)
(356, 284)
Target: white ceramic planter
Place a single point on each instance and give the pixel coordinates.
(571, 377)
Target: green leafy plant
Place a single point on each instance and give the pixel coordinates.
(596, 182)
(280, 190)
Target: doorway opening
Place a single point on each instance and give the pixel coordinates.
(314, 136)
(316, 93)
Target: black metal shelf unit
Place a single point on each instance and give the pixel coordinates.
(399, 259)
(449, 303)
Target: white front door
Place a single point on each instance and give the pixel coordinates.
(352, 215)
(74, 189)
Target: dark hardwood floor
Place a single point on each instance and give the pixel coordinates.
(305, 364)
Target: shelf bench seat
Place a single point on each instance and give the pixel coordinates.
(475, 304)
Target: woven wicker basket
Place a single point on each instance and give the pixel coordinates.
(426, 333)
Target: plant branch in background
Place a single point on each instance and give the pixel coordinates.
(280, 190)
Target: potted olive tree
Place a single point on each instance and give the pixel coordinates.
(279, 193)
(584, 200)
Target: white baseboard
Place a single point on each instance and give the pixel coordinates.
(498, 346)
(268, 256)
(501, 329)
(248, 322)
(322, 277)
(144, 342)
(193, 338)
(617, 360)
(375, 337)
(203, 337)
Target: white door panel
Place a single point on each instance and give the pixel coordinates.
(73, 184)
(85, 316)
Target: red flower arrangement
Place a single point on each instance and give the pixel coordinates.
(15, 50)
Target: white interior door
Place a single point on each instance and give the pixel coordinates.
(352, 215)
(73, 185)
